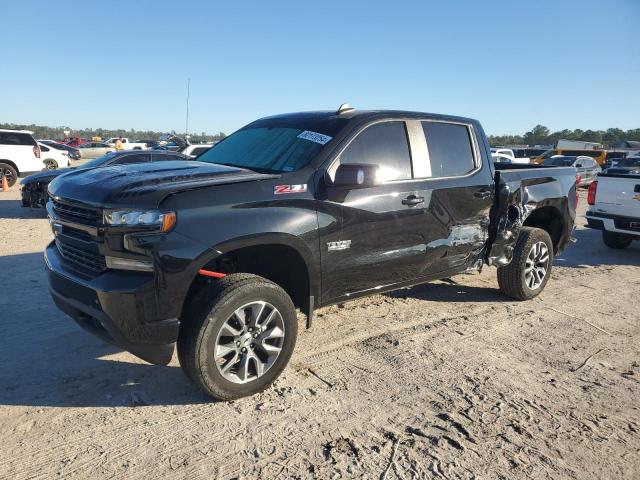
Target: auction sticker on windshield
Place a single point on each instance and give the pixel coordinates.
(315, 137)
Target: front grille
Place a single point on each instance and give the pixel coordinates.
(92, 261)
(75, 212)
(631, 224)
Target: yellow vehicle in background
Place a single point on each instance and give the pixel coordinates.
(600, 155)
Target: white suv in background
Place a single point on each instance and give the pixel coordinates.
(19, 155)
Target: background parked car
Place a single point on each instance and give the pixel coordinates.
(626, 166)
(74, 153)
(95, 149)
(53, 158)
(74, 141)
(501, 158)
(19, 154)
(600, 156)
(585, 166)
(126, 143)
(34, 187)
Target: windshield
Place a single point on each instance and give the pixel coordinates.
(629, 162)
(96, 162)
(559, 161)
(267, 149)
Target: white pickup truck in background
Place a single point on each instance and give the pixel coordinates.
(614, 208)
(126, 143)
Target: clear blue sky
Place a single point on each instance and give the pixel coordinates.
(511, 64)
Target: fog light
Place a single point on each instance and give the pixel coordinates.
(120, 263)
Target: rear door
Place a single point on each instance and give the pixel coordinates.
(458, 192)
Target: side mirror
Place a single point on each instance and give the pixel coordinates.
(351, 176)
(579, 165)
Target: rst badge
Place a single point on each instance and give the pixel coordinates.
(282, 189)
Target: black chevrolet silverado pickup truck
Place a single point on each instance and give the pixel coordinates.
(293, 211)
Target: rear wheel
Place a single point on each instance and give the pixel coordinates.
(237, 336)
(530, 268)
(9, 173)
(50, 164)
(616, 240)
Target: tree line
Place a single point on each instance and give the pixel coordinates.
(540, 135)
(57, 133)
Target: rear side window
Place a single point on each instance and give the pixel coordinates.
(450, 149)
(11, 138)
(383, 144)
(165, 158)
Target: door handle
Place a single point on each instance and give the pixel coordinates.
(412, 200)
(482, 194)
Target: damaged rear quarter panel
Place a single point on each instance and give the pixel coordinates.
(522, 192)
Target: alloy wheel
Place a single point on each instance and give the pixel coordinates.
(537, 265)
(249, 342)
(8, 174)
(50, 164)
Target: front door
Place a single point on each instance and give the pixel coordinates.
(377, 237)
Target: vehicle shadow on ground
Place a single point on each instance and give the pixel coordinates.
(14, 209)
(47, 360)
(451, 292)
(590, 251)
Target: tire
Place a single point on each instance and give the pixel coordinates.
(525, 277)
(206, 328)
(9, 172)
(50, 164)
(616, 240)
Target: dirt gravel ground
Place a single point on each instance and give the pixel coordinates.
(445, 380)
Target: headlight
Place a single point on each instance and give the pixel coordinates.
(141, 218)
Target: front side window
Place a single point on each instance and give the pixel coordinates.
(450, 149)
(383, 144)
(199, 150)
(133, 158)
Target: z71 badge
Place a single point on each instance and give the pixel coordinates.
(282, 189)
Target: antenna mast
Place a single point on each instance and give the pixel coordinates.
(186, 127)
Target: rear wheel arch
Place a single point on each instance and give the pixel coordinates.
(549, 219)
(12, 164)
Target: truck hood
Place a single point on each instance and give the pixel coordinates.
(144, 185)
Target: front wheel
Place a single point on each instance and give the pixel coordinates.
(530, 268)
(616, 240)
(9, 173)
(237, 336)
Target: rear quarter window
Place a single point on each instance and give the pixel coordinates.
(450, 149)
(11, 138)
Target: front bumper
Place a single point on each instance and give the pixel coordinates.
(34, 194)
(613, 223)
(118, 306)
